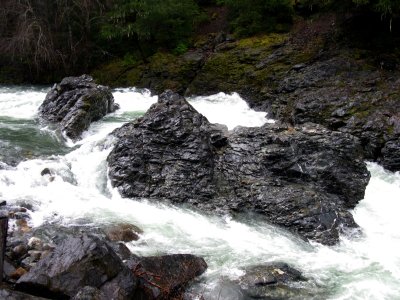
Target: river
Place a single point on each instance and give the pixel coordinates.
(361, 266)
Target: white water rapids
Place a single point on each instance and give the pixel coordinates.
(365, 266)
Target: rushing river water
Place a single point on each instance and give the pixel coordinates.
(365, 266)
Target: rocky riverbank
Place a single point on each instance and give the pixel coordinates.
(310, 75)
(82, 262)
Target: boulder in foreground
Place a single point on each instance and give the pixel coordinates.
(87, 267)
(75, 263)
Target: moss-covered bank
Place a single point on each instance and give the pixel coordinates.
(313, 74)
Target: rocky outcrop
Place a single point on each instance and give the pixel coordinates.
(304, 76)
(340, 93)
(303, 178)
(76, 102)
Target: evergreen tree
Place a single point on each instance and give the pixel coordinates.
(250, 17)
(162, 23)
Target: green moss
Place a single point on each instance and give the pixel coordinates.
(264, 41)
(110, 73)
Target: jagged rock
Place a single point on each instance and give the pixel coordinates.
(76, 102)
(75, 263)
(303, 178)
(165, 277)
(180, 166)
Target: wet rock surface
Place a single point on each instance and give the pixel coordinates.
(75, 263)
(340, 93)
(165, 277)
(273, 281)
(81, 262)
(76, 102)
(122, 232)
(303, 178)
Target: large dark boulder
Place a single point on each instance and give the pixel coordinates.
(303, 178)
(84, 266)
(76, 102)
(165, 277)
(77, 262)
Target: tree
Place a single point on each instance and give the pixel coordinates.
(48, 36)
(385, 7)
(250, 17)
(160, 23)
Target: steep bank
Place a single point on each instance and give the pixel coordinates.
(313, 74)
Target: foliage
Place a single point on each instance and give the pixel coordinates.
(48, 36)
(250, 17)
(164, 23)
(181, 48)
(385, 7)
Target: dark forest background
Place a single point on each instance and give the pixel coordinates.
(44, 40)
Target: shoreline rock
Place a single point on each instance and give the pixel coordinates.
(302, 178)
(82, 262)
(86, 266)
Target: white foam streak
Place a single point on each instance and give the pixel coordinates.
(230, 110)
(20, 103)
(132, 99)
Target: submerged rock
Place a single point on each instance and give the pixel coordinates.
(76, 102)
(303, 178)
(273, 281)
(122, 232)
